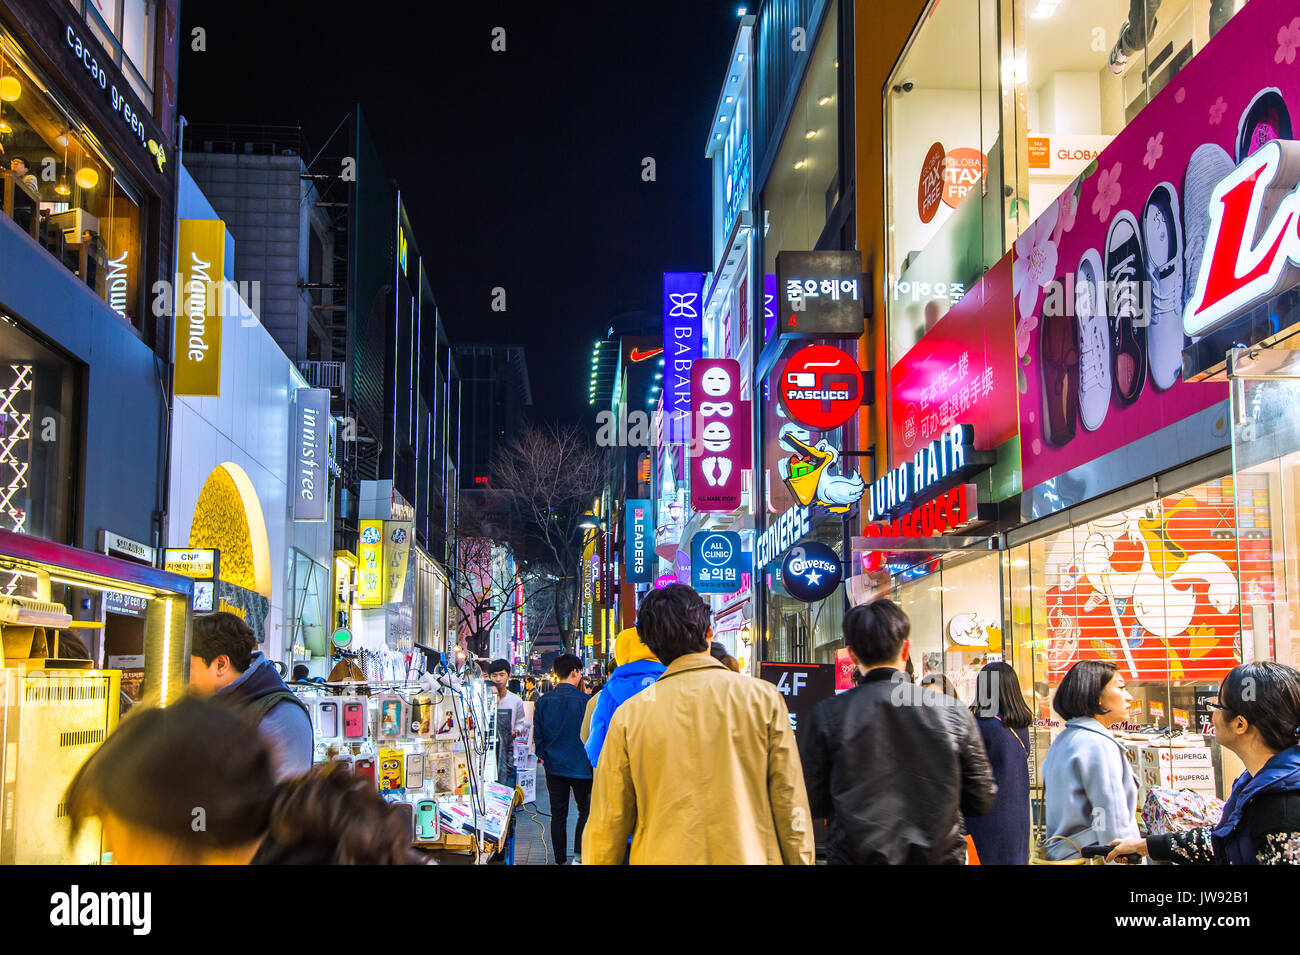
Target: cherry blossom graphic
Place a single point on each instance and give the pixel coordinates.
(1068, 208)
(1033, 270)
(1025, 333)
(1288, 41)
(1217, 110)
(1108, 191)
(1180, 95)
(1155, 149)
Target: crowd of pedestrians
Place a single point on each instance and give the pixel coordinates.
(680, 759)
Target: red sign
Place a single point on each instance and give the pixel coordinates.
(949, 511)
(720, 446)
(962, 372)
(929, 190)
(821, 386)
(964, 167)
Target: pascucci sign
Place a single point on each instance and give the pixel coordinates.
(1236, 269)
(948, 458)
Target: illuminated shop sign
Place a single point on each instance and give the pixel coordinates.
(370, 564)
(813, 474)
(716, 562)
(944, 461)
(200, 564)
(737, 183)
(794, 524)
(821, 294)
(15, 446)
(311, 443)
(638, 541)
(811, 572)
(116, 284)
(118, 100)
(821, 387)
(199, 308)
(720, 450)
(948, 511)
(401, 248)
(1237, 269)
(683, 344)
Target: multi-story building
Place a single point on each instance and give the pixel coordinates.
(495, 396)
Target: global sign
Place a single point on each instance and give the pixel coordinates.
(716, 562)
(821, 387)
(811, 572)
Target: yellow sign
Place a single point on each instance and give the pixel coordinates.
(370, 564)
(199, 564)
(397, 550)
(196, 349)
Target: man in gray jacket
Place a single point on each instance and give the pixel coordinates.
(890, 765)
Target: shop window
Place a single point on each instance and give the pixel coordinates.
(126, 28)
(62, 191)
(943, 162)
(803, 186)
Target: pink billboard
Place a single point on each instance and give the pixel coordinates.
(962, 372)
(1103, 277)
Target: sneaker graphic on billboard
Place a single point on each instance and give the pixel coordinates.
(1058, 338)
(1265, 119)
(1162, 241)
(1094, 341)
(1128, 332)
(1205, 170)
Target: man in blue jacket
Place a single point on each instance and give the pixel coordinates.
(638, 667)
(557, 722)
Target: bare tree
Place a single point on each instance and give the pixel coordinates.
(553, 475)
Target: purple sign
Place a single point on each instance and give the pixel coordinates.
(663, 581)
(769, 306)
(683, 344)
(720, 449)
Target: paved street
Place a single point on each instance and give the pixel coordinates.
(533, 828)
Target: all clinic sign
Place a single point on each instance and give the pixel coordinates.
(200, 282)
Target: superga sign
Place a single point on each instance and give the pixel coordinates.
(939, 464)
(1252, 250)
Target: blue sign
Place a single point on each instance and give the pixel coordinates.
(638, 543)
(683, 343)
(811, 572)
(737, 184)
(716, 562)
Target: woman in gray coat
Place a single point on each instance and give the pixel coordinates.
(1090, 788)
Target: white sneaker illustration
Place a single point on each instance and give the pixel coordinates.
(1094, 341)
(1205, 170)
(1162, 245)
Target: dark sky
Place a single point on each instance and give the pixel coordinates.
(519, 169)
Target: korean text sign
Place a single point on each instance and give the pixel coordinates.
(716, 562)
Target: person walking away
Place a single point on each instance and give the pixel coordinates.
(1257, 716)
(226, 666)
(1089, 788)
(585, 733)
(144, 783)
(700, 767)
(1001, 835)
(557, 720)
(510, 709)
(890, 765)
(637, 669)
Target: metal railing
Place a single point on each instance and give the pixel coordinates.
(323, 374)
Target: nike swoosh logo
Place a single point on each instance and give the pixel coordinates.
(638, 355)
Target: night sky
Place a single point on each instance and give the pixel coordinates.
(519, 169)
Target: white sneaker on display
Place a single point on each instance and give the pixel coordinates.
(1205, 170)
(1094, 341)
(1162, 245)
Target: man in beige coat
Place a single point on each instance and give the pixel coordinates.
(701, 767)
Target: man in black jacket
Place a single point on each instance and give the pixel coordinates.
(891, 766)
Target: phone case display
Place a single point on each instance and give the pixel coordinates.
(426, 819)
(391, 722)
(392, 776)
(421, 716)
(327, 719)
(441, 769)
(365, 768)
(354, 719)
(414, 771)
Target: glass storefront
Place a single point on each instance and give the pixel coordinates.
(59, 187)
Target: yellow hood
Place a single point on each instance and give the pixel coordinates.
(628, 647)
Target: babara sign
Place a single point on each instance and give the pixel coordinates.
(199, 283)
(682, 346)
(720, 450)
(1252, 250)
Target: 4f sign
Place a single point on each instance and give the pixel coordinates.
(1252, 250)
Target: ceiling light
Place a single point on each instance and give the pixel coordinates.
(10, 89)
(87, 177)
(810, 134)
(729, 99)
(800, 164)
(719, 136)
(740, 57)
(722, 119)
(740, 12)
(5, 127)
(733, 79)
(824, 100)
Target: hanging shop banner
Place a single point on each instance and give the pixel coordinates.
(638, 541)
(811, 572)
(1180, 230)
(200, 564)
(311, 435)
(963, 371)
(397, 551)
(200, 281)
(720, 449)
(716, 562)
(370, 563)
(813, 472)
(683, 344)
(948, 460)
(821, 387)
(794, 524)
(769, 306)
(821, 294)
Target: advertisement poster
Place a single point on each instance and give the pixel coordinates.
(1103, 277)
(962, 372)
